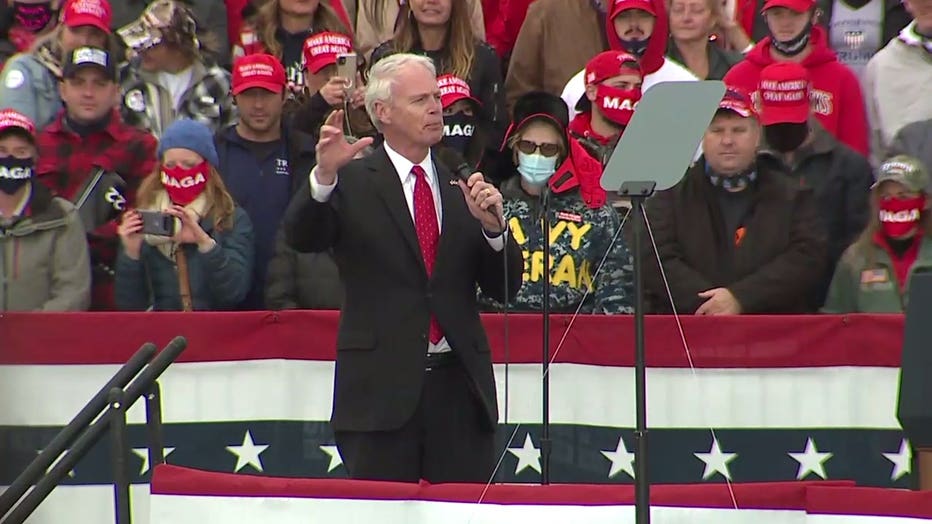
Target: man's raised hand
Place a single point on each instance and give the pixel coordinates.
(333, 150)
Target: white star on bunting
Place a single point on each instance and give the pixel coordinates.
(248, 453)
(716, 461)
(143, 453)
(622, 460)
(528, 456)
(902, 460)
(810, 461)
(335, 459)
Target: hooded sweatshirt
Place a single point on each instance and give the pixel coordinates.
(836, 92)
(897, 87)
(655, 66)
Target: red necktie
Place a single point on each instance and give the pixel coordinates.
(428, 232)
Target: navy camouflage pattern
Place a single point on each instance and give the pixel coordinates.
(579, 239)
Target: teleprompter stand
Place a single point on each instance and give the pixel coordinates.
(654, 152)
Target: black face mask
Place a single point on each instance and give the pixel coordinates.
(786, 137)
(15, 173)
(636, 47)
(795, 45)
(458, 130)
(33, 17)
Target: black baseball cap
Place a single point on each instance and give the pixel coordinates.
(89, 57)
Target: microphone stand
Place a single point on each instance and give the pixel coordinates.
(545, 443)
(638, 192)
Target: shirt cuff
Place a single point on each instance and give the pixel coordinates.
(496, 242)
(321, 192)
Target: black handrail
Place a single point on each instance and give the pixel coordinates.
(92, 434)
(67, 436)
(119, 448)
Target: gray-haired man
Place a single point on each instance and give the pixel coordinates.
(414, 394)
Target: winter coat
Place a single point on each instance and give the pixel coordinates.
(302, 280)
(913, 140)
(44, 262)
(219, 278)
(772, 269)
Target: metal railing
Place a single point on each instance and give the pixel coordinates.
(106, 410)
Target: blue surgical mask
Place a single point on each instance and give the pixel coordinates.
(536, 169)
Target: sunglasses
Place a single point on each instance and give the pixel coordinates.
(529, 148)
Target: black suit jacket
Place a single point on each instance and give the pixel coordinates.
(383, 334)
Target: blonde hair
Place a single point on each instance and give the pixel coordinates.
(268, 20)
(460, 48)
(220, 204)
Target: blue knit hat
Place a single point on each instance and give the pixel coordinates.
(190, 135)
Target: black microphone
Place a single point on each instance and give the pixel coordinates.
(455, 162)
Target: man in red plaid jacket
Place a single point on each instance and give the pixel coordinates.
(89, 135)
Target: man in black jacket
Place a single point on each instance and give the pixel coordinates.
(414, 394)
(798, 146)
(734, 237)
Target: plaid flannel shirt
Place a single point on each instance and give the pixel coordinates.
(66, 160)
(147, 105)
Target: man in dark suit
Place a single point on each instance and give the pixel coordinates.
(414, 394)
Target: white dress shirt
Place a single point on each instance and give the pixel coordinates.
(321, 193)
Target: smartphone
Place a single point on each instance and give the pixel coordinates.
(346, 68)
(157, 223)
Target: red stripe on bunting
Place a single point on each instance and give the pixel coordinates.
(174, 480)
(715, 342)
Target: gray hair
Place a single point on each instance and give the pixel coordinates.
(382, 79)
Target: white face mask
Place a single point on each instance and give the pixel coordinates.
(536, 169)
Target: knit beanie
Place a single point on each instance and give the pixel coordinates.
(190, 135)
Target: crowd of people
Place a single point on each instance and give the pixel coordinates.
(149, 151)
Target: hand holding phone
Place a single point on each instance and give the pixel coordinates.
(157, 223)
(130, 232)
(347, 64)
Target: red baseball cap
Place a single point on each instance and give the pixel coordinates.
(259, 70)
(13, 119)
(608, 64)
(784, 94)
(620, 6)
(322, 49)
(454, 89)
(800, 6)
(739, 102)
(96, 13)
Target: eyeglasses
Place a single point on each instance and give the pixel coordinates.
(529, 148)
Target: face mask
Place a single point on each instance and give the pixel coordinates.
(795, 45)
(32, 17)
(900, 216)
(635, 47)
(786, 137)
(15, 173)
(184, 185)
(458, 130)
(536, 169)
(617, 104)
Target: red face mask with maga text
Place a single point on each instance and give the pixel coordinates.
(617, 104)
(900, 216)
(184, 185)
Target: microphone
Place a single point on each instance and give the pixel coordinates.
(455, 162)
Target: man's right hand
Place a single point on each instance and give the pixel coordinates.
(333, 150)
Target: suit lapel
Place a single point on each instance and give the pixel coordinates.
(388, 186)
